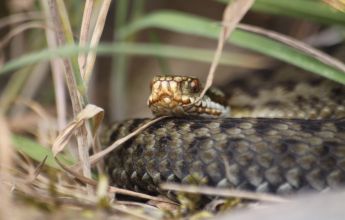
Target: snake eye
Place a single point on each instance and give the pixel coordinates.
(195, 86)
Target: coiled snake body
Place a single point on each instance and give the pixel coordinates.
(278, 155)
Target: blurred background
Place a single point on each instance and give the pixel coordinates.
(161, 37)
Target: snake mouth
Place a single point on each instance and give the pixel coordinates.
(173, 95)
(169, 100)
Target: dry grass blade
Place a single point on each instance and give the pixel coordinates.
(37, 170)
(6, 156)
(90, 111)
(84, 32)
(31, 86)
(111, 189)
(20, 17)
(336, 4)
(57, 72)
(37, 108)
(90, 61)
(222, 192)
(317, 54)
(65, 197)
(96, 157)
(19, 29)
(12, 89)
(74, 80)
(233, 13)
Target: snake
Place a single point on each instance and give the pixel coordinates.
(232, 139)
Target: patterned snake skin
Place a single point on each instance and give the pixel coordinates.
(277, 155)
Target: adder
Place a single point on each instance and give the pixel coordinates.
(282, 137)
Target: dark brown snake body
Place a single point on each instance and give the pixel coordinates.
(275, 155)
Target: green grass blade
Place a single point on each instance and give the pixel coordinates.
(119, 65)
(316, 11)
(37, 152)
(199, 26)
(159, 50)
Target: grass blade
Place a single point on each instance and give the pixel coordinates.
(201, 55)
(37, 152)
(316, 11)
(199, 26)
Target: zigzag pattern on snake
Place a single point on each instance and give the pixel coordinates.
(278, 155)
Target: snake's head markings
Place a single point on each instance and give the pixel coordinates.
(173, 95)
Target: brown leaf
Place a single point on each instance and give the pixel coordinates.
(90, 111)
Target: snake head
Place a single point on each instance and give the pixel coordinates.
(176, 96)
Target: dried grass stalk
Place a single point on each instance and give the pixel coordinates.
(84, 33)
(20, 17)
(57, 71)
(223, 192)
(74, 80)
(18, 30)
(233, 13)
(90, 61)
(6, 156)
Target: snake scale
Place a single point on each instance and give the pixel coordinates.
(272, 154)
